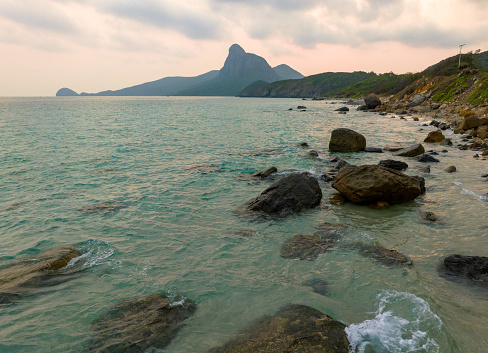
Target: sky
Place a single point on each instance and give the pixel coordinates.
(96, 45)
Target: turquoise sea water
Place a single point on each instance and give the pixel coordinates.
(179, 235)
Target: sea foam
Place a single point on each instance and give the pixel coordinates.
(402, 323)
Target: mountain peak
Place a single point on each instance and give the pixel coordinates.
(236, 49)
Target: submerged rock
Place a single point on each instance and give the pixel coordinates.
(346, 140)
(429, 216)
(293, 193)
(294, 329)
(103, 207)
(472, 267)
(384, 256)
(21, 278)
(329, 231)
(337, 199)
(138, 324)
(368, 184)
(318, 285)
(265, 173)
(204, 168)
(305, 247)
(373, 150)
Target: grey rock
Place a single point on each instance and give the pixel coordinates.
(450, 169)
(305, 247)
(390, 163)
(424, 169)
(265, 173)
(372, 101)
(373, 150)
(472, 267)
(410, 151)
(427, 158)
(346, 140)
(417, 100)
(342, 109)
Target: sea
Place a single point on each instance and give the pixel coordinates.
(181, 165)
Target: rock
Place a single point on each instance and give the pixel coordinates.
(305, 247)
(485, 153)
(446, 142)
(22, 278)
(318, 285)
(139, 324)
(244, 232)
(434, 136)
(303, 145)
(294, 329)
(373, 150)
(427, 158)
(470, 122)
(380, 205)
(372, 102)
(458, 130)
(342, 112)
(424, 169)
(450, 169)
(368, 184)
(410, 151)
(337, 199)
(415, 119)
(429, 216)
(443, 126)
(313, 154)
(387, 257)
(472, 267)
(327, 177)
(435, 106)
(103, 207)
(362, 108)
(342, 109)
(334, 159)
(293, 193)
(393, 148)
(265, 173)
(341, 164)
(392, 164)
(301, 107)
(417, 100)
(346, 140)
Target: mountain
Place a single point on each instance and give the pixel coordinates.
(240, 69)
(287, 73)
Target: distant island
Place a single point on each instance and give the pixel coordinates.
(239, 71)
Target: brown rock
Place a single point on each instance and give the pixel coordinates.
(305, 247)
(368, 184)
(337, 199)
(346, 140)
(470, 122)
(411, 151)
(265, 173)
(434, 136)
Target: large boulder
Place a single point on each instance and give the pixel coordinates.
(410, 151)
(434, 136)
(368, 184)
(472, 267)
(293, 193)
(138, 324)
(471, 122)
(21, 278)
(417, 100)
(294, 329)
(372, 101)
(346, 140)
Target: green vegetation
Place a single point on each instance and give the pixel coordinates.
(480, 94)
(450, 88)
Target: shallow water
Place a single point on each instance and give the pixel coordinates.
(179, 235)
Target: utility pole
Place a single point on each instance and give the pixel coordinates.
(460, 47)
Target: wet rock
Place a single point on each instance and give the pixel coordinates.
(450, 169)
(342, 109)
(384, 256)
(259, 153)
(204, 168)
(372, 102)
(328, 177)
(434, 136)
(368, 184)
(244, 233)
(337, 199)
(424, 169)
(415, 119)
(342, 112)
(294, 329)
(410, 151)
(313, 154)
(22, 278)
(334, 159)
(305, 247)
(392, 164)
(139, 324)
(427, 158)
(393, 148)
(429, 216)
(373, 150)
(341, 164)
(346, 140)
(380, 205)
(293, 193)
(362, 108)
(303, 145)
(446, 142)
(472, 267)
(265, 173)
(103, 207)
(301, 107)
(318, 285)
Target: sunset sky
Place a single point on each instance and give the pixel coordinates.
(95, 45)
